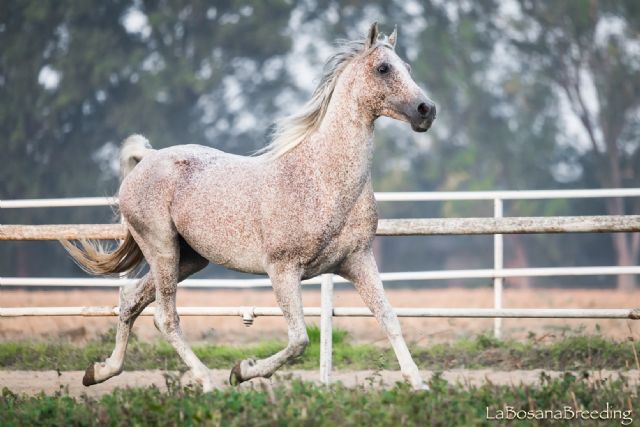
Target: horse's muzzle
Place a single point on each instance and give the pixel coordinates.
(423, 116)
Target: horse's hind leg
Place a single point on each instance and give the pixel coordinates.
(134, 299)
(286, 285)
(161, 251)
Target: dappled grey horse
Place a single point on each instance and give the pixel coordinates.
(302, 207)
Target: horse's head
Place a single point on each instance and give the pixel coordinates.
(387, 84)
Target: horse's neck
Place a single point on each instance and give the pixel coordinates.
(339, 153)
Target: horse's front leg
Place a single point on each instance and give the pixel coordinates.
(286, 285)
(361, 269)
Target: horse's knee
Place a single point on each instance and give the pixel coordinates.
(125, 314)
(134, 298)
(166, 327)
(298, 346)
(130, 309)
(165, 324)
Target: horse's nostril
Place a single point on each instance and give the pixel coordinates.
(423, 109)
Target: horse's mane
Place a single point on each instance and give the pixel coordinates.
(292, 130)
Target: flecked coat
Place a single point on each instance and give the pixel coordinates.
(303, 207)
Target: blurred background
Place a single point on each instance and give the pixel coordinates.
(530, 95)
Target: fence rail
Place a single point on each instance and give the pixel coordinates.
(386, 277)
(253, 312)
(412, 196)
(386, 227)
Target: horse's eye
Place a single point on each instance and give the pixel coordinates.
(383, 68)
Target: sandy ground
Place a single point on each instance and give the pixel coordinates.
(232, 330)
(33, 382)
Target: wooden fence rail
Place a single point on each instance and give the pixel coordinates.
(249, 313)
(386, 227)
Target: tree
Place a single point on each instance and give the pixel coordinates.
(587, 52)
(77, 77)
(90, 74)
(494, 129)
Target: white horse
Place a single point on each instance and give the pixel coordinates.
(303, 207)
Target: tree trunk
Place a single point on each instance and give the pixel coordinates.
(626, 282)
(622, 243)
(624, 247)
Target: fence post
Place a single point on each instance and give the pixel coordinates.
(498, 264)
(326, 332)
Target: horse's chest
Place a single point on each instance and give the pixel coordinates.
(331, 244)
(352, 237)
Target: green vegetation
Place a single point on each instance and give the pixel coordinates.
(300, 403)
(306, 404)
(568, 353)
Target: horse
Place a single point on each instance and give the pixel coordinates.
(302, 206)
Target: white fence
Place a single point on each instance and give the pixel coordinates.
(497, 224)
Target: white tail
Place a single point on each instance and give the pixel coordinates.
(134, 148)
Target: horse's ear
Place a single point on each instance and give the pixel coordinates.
(393, 37)
(372, 36)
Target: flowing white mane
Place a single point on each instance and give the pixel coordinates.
(292, 130)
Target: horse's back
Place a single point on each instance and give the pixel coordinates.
(213, 202)
(172, 166)
(180, 174)
(160, 170)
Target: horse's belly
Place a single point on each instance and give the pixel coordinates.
(221, 230)
(225, 247)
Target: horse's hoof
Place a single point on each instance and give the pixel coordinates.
(235, 377)
(89, 376)
(422, 387)
(208, 387)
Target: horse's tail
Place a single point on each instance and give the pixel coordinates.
(133, 149)
(93, 258)
(91, 255)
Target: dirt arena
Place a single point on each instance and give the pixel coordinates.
(230, 330)
(34, 382)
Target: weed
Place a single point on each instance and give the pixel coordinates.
(585, 352)
(301, 404)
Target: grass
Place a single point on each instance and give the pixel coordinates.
(568, 353)
(303, 404)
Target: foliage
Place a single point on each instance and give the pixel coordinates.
(306, 404)
(587, 53)
(168, 76)
(220, 75)
(568, 353)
